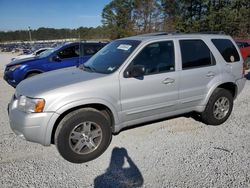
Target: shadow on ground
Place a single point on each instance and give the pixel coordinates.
(117, 175)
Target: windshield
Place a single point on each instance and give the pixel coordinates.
(112, 56)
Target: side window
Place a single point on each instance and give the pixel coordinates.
(91, 49)
(69, 52)
(227, 50)
(195, 53)
(156, 58)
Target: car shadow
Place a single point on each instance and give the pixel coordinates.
(117, 175)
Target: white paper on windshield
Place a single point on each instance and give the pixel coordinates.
(124, 47)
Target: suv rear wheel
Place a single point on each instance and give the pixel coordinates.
(83, 135)
(219, 107)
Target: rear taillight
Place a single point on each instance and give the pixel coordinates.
(244, 69)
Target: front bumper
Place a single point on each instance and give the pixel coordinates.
(30, 126)
(9, 80)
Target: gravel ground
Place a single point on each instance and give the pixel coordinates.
(178, 152)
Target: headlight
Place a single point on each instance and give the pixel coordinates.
(30, 105)
(14, 67)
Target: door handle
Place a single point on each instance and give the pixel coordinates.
(168, 81)
(210, 74)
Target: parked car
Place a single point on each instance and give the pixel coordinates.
(35, 53)
(245, 51)
(130, 81)
(26, 51)
(70, 54)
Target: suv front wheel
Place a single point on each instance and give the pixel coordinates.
(83, 135)
(219, 107)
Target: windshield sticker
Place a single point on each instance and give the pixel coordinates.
(111, 69)
(124, 47)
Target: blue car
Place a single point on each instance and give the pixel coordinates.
(70, 54)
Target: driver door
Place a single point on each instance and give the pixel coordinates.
(156, 93)
(67, 57)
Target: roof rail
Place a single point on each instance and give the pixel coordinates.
(211, 32)
(153, 34)
(158, 33)
(178, 32)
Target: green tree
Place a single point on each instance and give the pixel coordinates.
(171, 13)
(117, 18)
(148, 16)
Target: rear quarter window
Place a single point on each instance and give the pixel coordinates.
(227, 50)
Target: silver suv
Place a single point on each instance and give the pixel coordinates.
(130, 81)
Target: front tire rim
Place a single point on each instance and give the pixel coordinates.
(85, 137)
(221, 108)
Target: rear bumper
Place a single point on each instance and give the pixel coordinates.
(240, 85)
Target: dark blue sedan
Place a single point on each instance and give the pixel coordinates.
(67, 55)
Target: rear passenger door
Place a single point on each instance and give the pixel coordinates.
(198, 70)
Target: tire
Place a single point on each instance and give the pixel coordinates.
(83, 135)
(214, 114)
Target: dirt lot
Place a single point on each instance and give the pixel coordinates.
(178, 152)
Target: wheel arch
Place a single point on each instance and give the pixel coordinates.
(98, 106)
(230, 86)
(31, 72)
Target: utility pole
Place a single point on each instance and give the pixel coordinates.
(30, 34)
(30, 38)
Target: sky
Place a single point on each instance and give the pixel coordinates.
(21, 14)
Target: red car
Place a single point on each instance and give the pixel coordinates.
(244, 46)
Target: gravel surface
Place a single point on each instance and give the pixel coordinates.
(178, 152)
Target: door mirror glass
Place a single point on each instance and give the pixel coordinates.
(135, 71)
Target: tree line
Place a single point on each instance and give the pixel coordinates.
(42, 33)
(127, 17)
(121, 18)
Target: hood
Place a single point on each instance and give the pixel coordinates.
(23, 56)
(21, 61)
(45, 82)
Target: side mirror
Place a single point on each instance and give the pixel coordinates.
(135, 71)
(56, 58)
